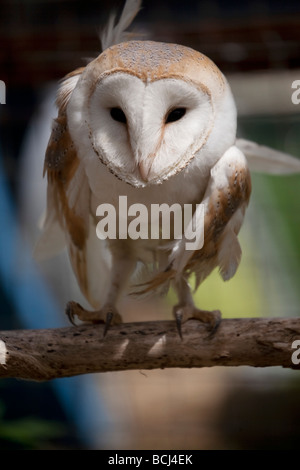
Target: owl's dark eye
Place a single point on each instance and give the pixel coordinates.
(175, 114)
(118, 115)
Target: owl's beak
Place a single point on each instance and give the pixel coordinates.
(144, 160)
(144, 169)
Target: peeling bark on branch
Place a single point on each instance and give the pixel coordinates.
(64, 352)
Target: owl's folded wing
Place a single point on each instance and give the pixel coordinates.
(225, 201)
(68, 220)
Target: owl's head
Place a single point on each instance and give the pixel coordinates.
(147, 109)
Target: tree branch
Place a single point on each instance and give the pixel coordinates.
(64, 352)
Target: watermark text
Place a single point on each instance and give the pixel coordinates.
(2, 92)
(296, 94)
(296, 354)
(163, 221)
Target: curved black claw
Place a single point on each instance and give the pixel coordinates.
(214, 328)
(178, 319)
(70, 313)
(108, 320)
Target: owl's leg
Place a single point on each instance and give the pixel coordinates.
(123, 265)
(186, 310)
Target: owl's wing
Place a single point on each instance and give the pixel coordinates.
(116, 33)
(68, 218)
(262, 159)
(60, 163)
(224, 203)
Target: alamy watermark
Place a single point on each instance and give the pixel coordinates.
(296, 354)
(2, 92)
(162, 221)
(296, 94)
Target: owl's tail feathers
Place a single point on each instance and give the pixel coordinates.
(116, 33)
(159, 283)
(263, 159)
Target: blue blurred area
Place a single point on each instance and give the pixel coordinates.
(31, 305)
(19, 276)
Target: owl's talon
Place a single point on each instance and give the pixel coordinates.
(178, 319)
(189, 312)
(71, 318)
(214, 327)
(108, 321)
(70, 311)
(107, 315)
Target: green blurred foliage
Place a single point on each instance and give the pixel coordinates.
(28, 432)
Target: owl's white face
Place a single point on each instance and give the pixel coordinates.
(146, 121)
(145, 132)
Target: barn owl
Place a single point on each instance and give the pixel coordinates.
(155, 123)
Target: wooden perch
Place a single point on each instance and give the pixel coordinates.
(64, 352)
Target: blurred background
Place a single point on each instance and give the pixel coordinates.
(256, 44)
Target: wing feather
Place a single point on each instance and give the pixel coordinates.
(263, 159)
(68, 221)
